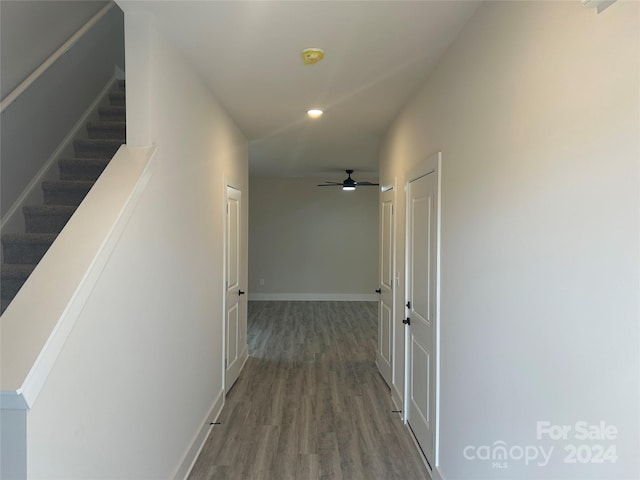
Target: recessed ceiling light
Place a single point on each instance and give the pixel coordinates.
(315, 112)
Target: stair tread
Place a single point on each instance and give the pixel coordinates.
(108, 129)
(96, 161)
(98, 141)
(113, 112)
(48, 209)
(117, 97)
(97, 148)
(113, 108)
(66, 192)
(67, 184)
(29, 238)
(17, 270)
(107, 123)
(47, 218)
(82, 169)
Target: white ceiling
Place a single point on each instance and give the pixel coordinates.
(377, 54)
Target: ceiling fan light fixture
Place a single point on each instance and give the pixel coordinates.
(348, 183)
(315, 112)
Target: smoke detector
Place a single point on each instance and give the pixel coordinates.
(312, 55)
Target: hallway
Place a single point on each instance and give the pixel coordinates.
(310, 402)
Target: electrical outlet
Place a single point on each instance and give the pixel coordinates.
(262, 281)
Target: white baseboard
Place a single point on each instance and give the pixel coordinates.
(302, 297)
(396, 398)
(200, 438)
(437, 474)
(244, 357)
(434, 473)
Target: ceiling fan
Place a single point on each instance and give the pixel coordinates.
(348, 183)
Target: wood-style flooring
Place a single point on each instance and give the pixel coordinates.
(310, 403)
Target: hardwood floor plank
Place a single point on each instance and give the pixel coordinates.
(310, 403)
(265, 450)
(307, 428)
(307, 466)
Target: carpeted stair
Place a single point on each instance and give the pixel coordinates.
(43, 223)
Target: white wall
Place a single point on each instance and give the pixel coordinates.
(140, 375)
(536, 110)
(312, 243)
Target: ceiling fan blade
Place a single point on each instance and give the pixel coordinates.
(348, 183)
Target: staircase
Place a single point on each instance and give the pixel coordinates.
(43, 223)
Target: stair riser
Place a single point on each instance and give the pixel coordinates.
(80, 172)
(9, 286)
(108, 134)
(45, 223)
(117, 99)
(91, 150)
(111, 116)
(24, 253)
(55, 196)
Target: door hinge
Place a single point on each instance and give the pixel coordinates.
(407, 321)
(226, 363)
(409, 304)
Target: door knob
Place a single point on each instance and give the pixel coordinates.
(378, 290)
(240, 292)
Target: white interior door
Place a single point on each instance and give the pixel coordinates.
(385, 305)
(422, 293)
(233, 304)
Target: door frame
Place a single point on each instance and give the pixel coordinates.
(432, 164)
